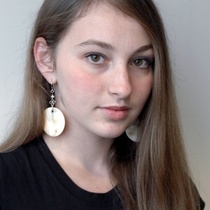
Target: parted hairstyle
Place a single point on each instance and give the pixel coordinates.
(151, 174)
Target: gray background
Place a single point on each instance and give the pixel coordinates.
(188, 28)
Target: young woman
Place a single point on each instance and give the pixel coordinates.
(109, 137)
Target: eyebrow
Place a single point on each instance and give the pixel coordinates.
(92, 42)
(144, 48)
(104, 45)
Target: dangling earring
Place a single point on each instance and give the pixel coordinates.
(54, 118)
(133, 132)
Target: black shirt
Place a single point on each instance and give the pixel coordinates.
(31, 179)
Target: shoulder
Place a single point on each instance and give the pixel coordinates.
(15, 168)
(18, 159)
(202, 204)
(18, 170)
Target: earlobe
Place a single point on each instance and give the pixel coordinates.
(43, 59)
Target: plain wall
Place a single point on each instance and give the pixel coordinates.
(188, 28)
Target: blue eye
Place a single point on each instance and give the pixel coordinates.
(142, 62)
(95, 58)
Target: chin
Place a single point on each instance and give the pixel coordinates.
(111, 134)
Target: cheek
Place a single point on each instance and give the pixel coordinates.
(144, 87)
(149, 85)
(79, 85)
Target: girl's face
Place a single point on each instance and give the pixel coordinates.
(103, 72)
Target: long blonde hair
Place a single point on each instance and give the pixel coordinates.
(152, 174)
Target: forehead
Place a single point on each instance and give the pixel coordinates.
(104, 20)
(95, 5)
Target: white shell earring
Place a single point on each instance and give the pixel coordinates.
(133, 132)
(54, 119)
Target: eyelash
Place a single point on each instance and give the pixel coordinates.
(147, 62)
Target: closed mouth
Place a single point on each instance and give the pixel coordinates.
(117, 108)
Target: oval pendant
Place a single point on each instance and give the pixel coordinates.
(54, 121)
(132, 133)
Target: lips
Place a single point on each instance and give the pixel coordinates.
(117, 108)
(115, 113)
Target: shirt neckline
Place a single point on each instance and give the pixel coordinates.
(107, 198)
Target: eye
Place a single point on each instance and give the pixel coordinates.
(95, 58)
(142, 62)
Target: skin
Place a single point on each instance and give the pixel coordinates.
(103, 77)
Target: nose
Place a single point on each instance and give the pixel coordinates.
(120, 83)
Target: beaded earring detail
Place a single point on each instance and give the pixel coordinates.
(132, 132)
(54, 119)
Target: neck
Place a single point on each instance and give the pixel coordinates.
(84, 159)
(89, 152)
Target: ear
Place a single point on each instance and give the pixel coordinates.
(44, 60)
